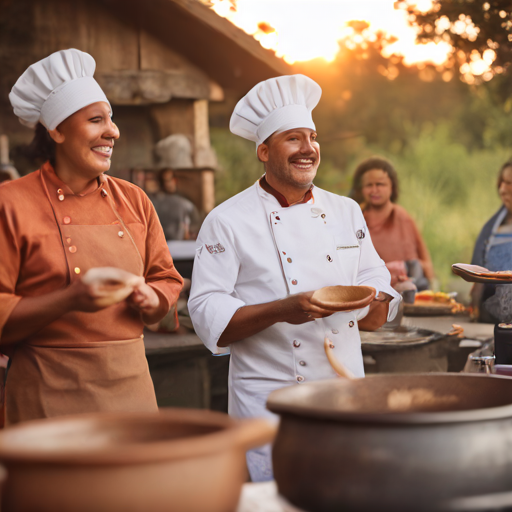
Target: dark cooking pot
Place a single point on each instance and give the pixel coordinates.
(393, 442)
(412, 350)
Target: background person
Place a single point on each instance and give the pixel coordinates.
(262, 253)
(493, 250)
(69, 355)
(394, 233)
(179, 216)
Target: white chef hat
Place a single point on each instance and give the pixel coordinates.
(276, 105)
(56, 87)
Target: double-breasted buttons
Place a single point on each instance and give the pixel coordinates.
(329, 259)
(77, 270)
(351, 323)
(120, 234)
(68, 240)
(300, 378)
(104, 192)
(66, 220)
(302, 363)
(61, 197)
(296, 343)
(323, 215)
(289, 260)
(294, 281)
(72, 249)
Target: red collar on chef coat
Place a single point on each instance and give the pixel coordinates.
(281, 199)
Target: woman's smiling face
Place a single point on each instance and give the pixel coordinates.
(86, 139)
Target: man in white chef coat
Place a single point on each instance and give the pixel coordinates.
(262, 253)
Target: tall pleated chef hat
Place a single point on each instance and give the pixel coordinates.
(276, 105)
(56, 87)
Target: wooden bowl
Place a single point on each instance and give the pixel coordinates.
(477, 274)
(343, 298)
(178, 459)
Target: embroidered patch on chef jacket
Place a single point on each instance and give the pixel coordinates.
(215, 249)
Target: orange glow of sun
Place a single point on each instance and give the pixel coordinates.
(301, 30)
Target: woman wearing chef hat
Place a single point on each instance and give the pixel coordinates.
(75, 344)
(262, 253)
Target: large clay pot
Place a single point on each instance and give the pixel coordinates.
(176, 460)
(393, 443)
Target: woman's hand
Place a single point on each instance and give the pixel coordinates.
(144, 299)
(32, 314)
(83, 297)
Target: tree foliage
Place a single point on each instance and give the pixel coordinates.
(475, 29)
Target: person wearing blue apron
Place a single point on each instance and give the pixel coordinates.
(493, 250)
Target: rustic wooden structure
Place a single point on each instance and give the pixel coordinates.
(160, 63)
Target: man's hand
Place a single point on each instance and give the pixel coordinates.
(298, 309)
(378, 314)
(250, 320)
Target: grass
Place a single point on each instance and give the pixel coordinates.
(449, 189)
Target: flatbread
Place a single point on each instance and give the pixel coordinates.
(110, 285)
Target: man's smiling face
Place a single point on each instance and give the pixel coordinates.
(292, 157)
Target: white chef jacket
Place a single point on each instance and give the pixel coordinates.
(251, 250)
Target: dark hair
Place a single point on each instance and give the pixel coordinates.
(42, 147)
(5, 176)
(504, 167)
(370, 164)
(161, 174)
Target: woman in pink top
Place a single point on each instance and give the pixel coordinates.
(394, 233)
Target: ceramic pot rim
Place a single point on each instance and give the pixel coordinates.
(226, 438)
(279, 403)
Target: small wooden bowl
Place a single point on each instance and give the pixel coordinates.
(343, 298)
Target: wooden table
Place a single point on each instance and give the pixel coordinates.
(184, 371)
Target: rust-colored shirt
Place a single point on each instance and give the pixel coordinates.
(36, 259)
(397, 238)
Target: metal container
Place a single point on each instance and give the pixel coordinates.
(348, 445)
(411, 350)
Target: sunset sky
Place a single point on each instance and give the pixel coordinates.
(300, 30)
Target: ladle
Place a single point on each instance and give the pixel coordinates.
(337, 365)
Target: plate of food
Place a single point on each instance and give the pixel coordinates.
(477, 274)
(343, 298)
(429, 303)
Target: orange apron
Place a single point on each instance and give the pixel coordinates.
(54, 373)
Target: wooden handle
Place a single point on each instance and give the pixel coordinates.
(254, 432)
(457, 330)
(337, 366)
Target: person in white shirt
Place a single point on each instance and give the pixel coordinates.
(262, 253)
